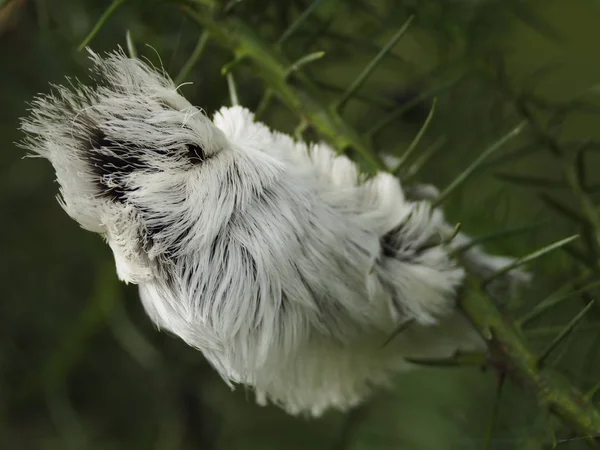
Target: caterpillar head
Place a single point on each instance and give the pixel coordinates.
(129, 155)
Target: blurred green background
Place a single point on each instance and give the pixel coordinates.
(81, 367)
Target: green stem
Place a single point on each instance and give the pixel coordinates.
(522, 364)
(301, 96)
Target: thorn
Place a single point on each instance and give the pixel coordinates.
(379, 102)
(403, 326)
(486, 154)
(130, 45)
(232, 90)
(458, 359)
(452, 235)
(101, 21)
(339, 106)
(415, 142)
(264, 103)
(528, 258)
(392, 116)
(230, 65)
(527, 180)
(563, 334)
(302, 62)
(515, 155)
(194, 58)
(552, 300)
(294, 26)
(424, 158)
(497, 235)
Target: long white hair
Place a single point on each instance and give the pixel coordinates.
(284, 265)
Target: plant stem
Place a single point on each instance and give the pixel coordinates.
(552, 391)
(301, 96)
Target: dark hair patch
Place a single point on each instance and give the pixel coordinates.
(195, 153)
(122, 161)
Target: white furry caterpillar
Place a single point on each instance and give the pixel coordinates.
(278, 260)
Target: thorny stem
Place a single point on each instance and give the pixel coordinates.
(522, 365)
(300, 96)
